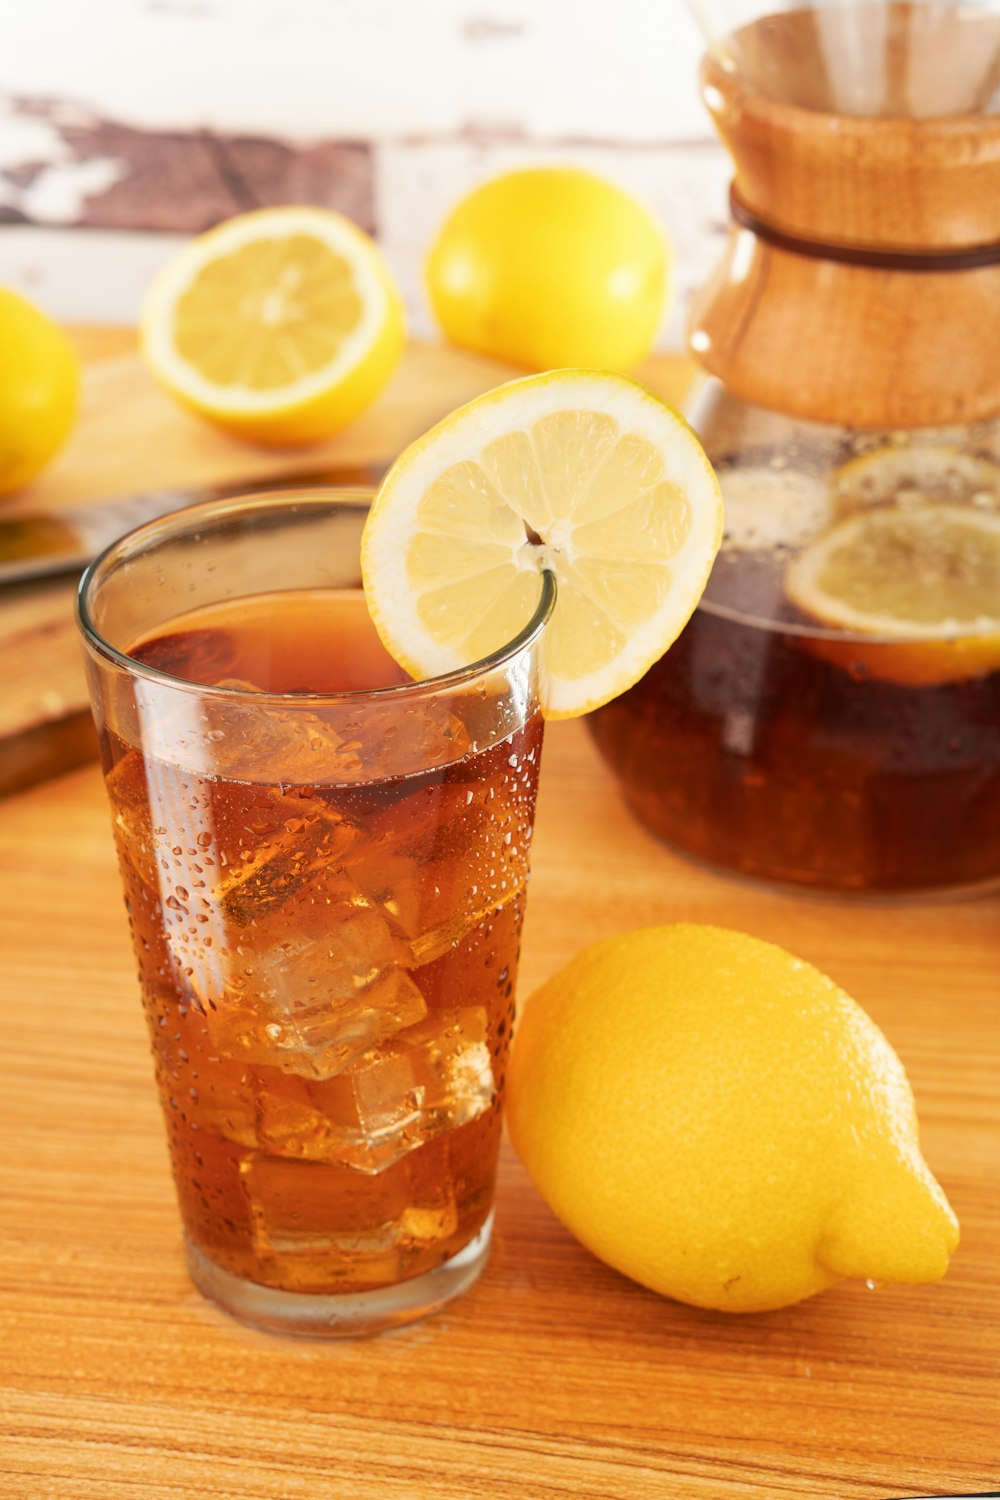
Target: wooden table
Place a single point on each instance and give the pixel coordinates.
(554, 1377)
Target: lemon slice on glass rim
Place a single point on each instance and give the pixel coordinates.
(918, 588)
(582, 474)
(279, 325)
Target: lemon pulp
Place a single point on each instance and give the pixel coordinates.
(279, 325)
(922, 582)
(580, 473)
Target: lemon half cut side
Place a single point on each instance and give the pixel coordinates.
(579, 473)
(280, 325)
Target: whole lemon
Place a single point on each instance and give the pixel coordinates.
(39, 390)
(717, 1120)
(550, 267)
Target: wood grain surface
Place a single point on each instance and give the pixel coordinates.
(555, 1376)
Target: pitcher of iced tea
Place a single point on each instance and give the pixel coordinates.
(831, 715)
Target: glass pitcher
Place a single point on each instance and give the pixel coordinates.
(831, 715)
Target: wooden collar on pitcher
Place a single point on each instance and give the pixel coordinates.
(856, 255)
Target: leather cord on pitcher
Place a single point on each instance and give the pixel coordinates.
(859, 255)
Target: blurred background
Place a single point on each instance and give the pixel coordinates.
(128, 125)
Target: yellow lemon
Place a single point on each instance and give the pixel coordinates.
(918, 587)
(550, 266)
(720, 1122)
(583, 475)
(39, 390)
(280, 326)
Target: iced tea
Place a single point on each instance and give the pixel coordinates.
(765, 744)
(325, 875)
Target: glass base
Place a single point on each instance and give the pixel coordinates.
(351, 1315)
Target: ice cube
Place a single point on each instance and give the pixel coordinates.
(438, 861)
(393, 739)
(307, 1012)
(246, 736)
(449, 1055)
(250, 738)
(327, 1225)
(297, 744)
(311, 983)
(364, 1118)
(225, 1107)
(315, 1212)
(427, 1222)
(388, 1101)
(273, 846)
(428, 1080)
(133, 825)
(207, 1092)
(434, 888)
(292, 1122)
(426, 908)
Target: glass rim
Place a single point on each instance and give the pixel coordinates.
(355, 498)
(802, 630)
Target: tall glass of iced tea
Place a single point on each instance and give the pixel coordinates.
(324, 867)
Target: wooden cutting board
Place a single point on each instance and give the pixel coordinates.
(132, 438)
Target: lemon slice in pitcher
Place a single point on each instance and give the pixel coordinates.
(916, 473)
(583, 474)
(923, 583)
(279, 325)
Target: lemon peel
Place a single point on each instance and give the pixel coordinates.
(718, 1120)
(39, 390)
(548, 267)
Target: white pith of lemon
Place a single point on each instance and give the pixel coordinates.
(922, 582)
(280, 325)
(583, 474)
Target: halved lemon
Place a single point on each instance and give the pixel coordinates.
(586, 475)
(920, 586)
(280, 325)
(913, 473)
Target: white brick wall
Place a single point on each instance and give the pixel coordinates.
(372, 68)
(437, 94)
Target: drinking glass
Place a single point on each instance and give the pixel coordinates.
(324, 866)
